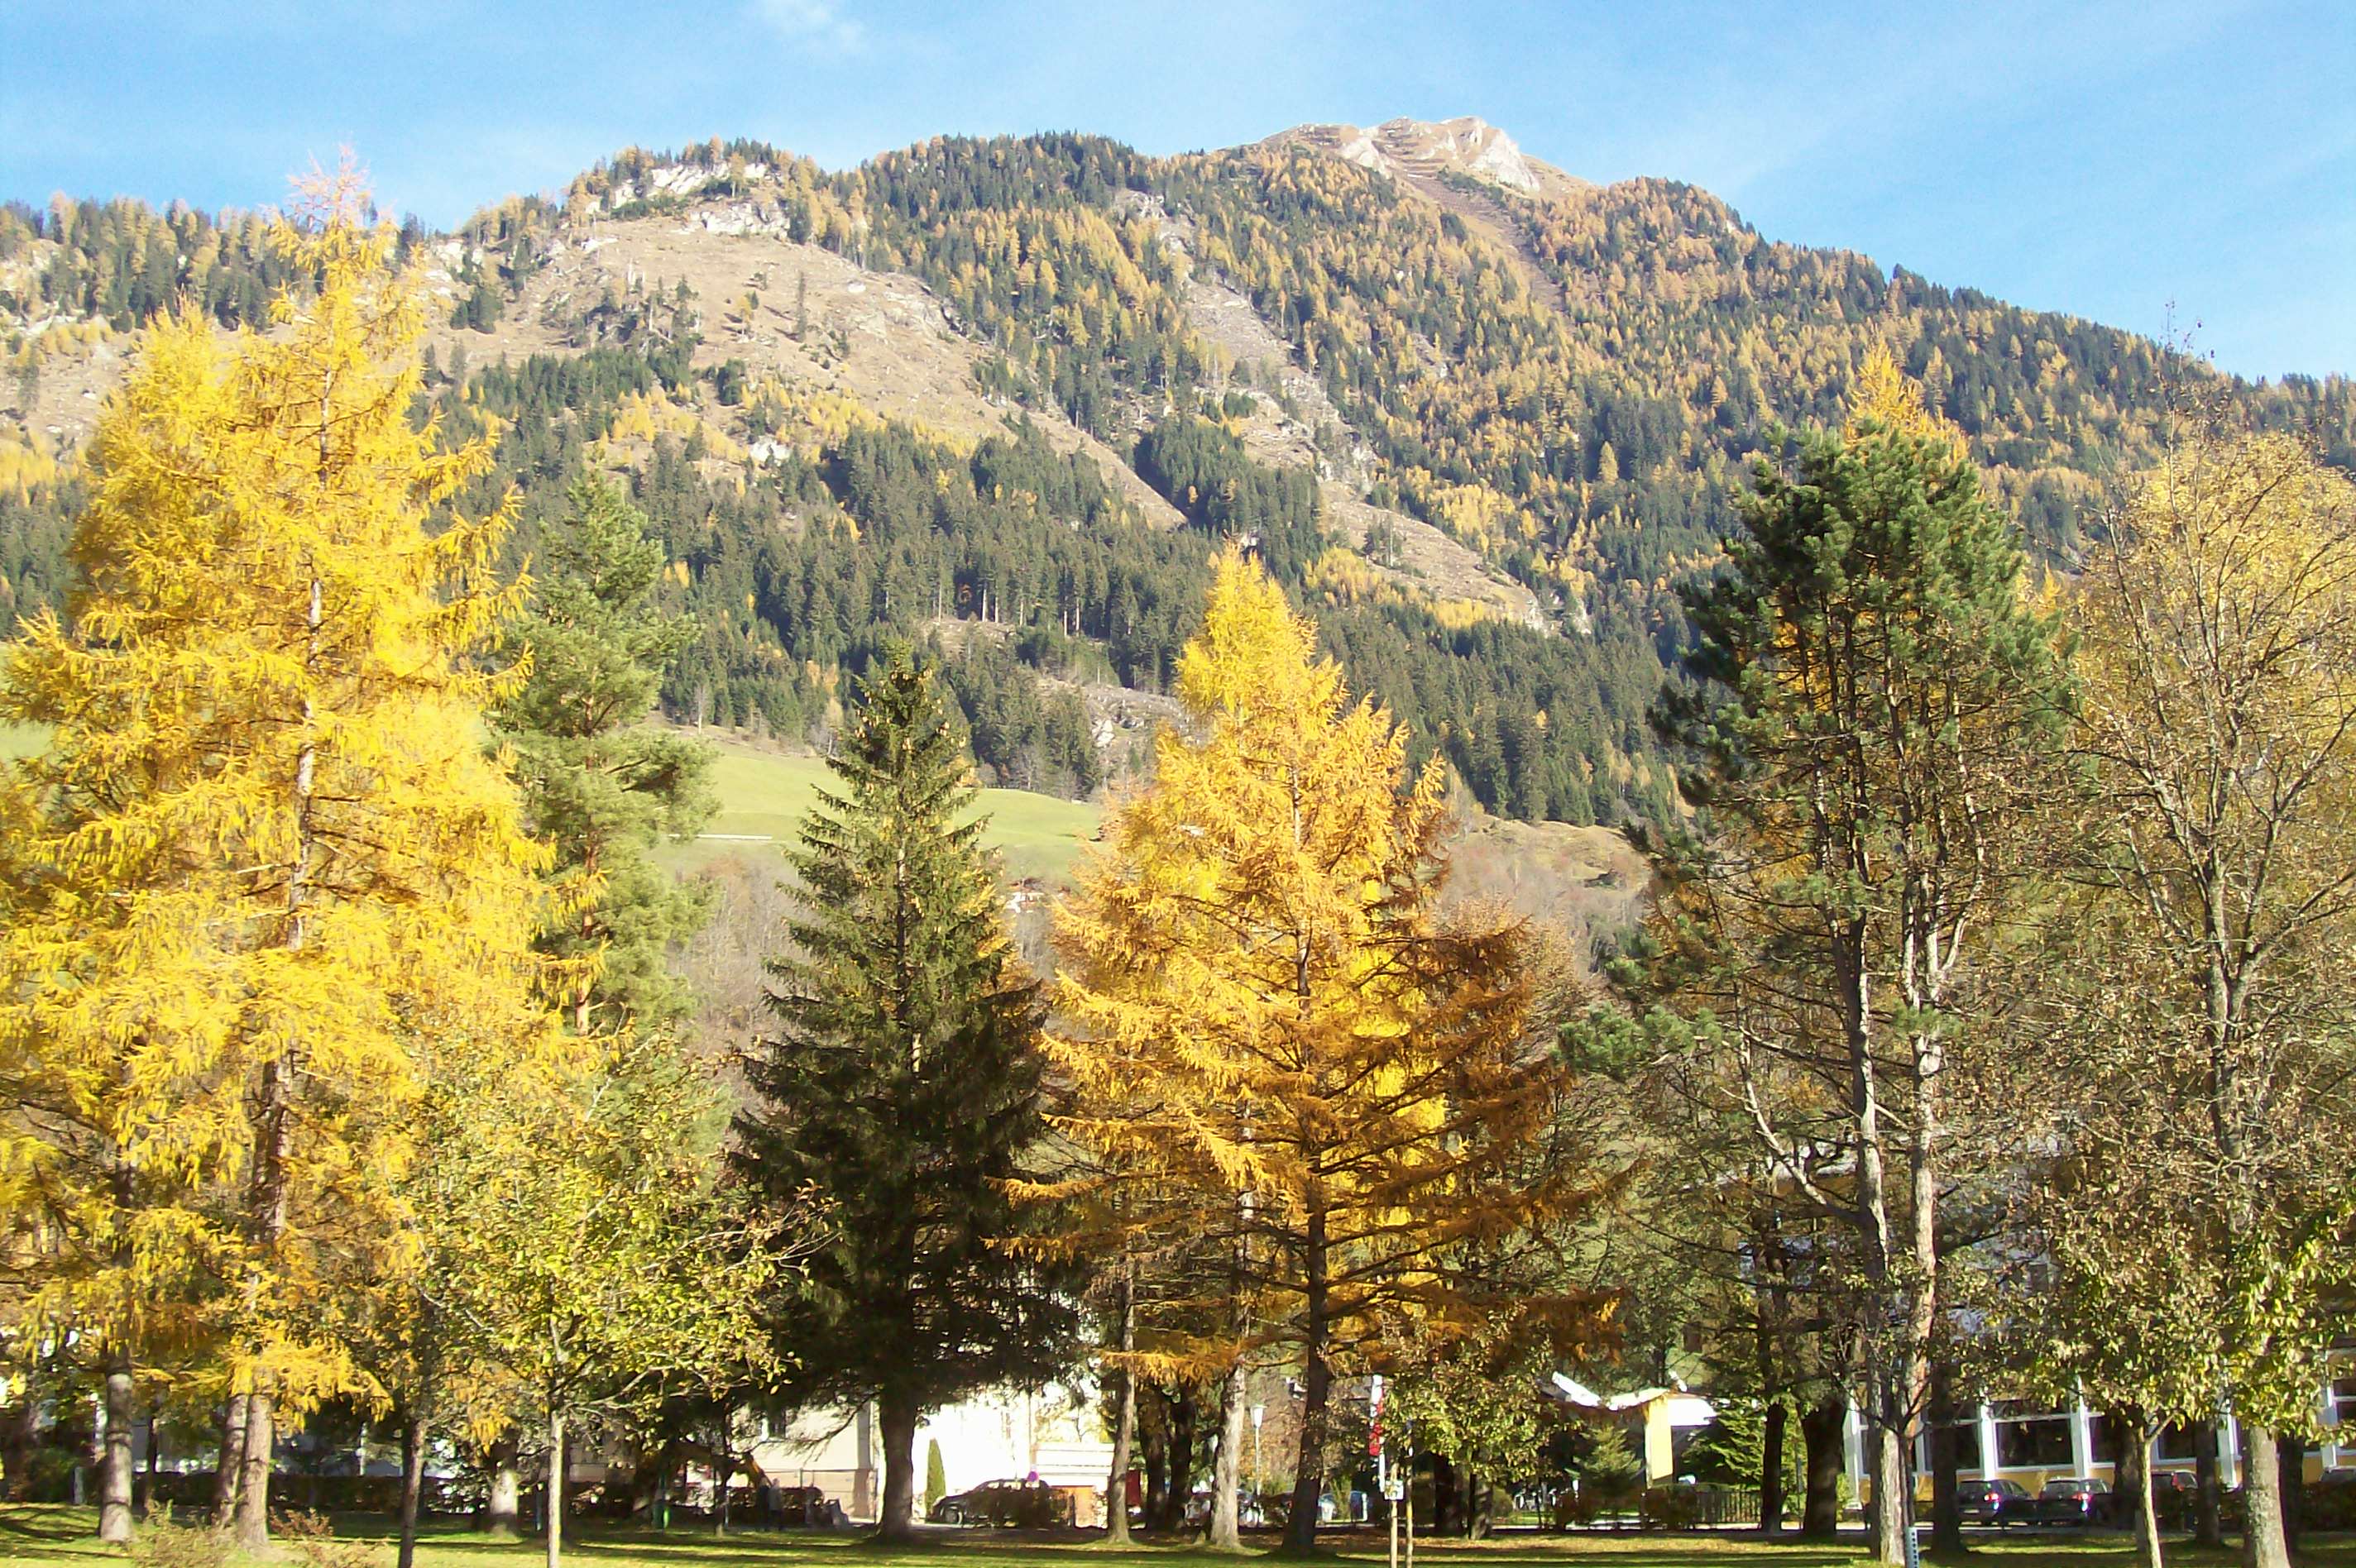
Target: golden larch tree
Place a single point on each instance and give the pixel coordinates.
(1265, 1011)
(263, 846)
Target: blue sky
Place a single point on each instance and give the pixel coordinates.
(2106, 159)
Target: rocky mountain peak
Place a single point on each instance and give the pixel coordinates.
(1419, 150)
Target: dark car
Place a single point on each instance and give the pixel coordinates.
(1992, 1502)
(2173, 1498)
(1031, 1505)
(2074, 1500)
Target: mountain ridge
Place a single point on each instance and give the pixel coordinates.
(1481, 416)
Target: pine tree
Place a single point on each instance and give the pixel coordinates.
(1269, 1015)
(1874, 705)
(599, 786)
(902, 1091)
(264, 847)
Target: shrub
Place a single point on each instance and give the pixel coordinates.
(162, 1543)
(311, 1540)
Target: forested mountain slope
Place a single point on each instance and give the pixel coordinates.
(1006, 395)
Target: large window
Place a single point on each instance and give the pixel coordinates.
(2029, 1437)
(2176, 1441)
(1967, 1444)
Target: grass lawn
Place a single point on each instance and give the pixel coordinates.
(62, 1535)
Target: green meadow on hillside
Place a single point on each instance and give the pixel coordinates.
(765, 794)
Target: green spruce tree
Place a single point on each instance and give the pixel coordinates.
(902, 1090)
(601, 786)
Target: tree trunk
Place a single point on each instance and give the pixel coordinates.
(1770, 1468)
(1316, 1384)
(2292, 1454)
(724, 1447)
(412, 1485)
(1124, 1414)
(1893, 1486)
(1227, 1470)
(115, 1473)
(2208, 1511)
(23, 1437)
(149, 1498)
(897, 1412)
(1820, 1435)
(2132, 1481)
(1155, 1439)
(232, 1457)
(254, 1473)
(2263, 1545)
(1184, 1414)
(1946, 1459)
(557, 1468)
(501, 1504)
(1446, 1508)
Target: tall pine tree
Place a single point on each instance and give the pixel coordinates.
(600, 785)
(902, 1090)
(1873, 709)
(1280, 1040)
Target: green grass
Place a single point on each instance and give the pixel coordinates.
(765, 794)
(62, 1535)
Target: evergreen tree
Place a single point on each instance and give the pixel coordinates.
(1874, 707)
(599, 786)
(903, 1089)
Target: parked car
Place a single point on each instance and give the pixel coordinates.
(1996, 1503)
(2173, 1498)
(1031, 1505)
(2074, 1500)
(2329, 1503)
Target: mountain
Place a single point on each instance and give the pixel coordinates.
(1004, 396)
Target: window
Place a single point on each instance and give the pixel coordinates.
(2027, 1438)
(2178, 1442)
(2340, 1413)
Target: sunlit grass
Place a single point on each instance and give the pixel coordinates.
(765, 794)
(64, 1535)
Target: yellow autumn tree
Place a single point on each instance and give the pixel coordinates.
(2215, 621)
(1267, 1014)
(1884, 397)
(264, 847)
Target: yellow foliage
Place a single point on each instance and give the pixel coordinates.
(1884, 397)
(1260, 1000)
(24, 465)
(264, 850)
